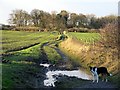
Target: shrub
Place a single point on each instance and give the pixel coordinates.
(109, 36)
(28, 29)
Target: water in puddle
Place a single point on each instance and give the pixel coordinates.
(45, 65)
(74, 73)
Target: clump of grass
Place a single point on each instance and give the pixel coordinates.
(52, 55)
(116, 80)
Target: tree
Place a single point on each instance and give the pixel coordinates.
(53, 18)
(60, 25)
(82, 20)
(19, 17)
(73, 19)
(108, 19)
(36, 16)
(89, 17)
(46, 21)
(60, 21)
(64, 17)
(110, 36)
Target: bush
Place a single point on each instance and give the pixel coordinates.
(109, 36)
(28, 29)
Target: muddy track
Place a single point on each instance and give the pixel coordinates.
(64, 57)
(100, 84)
(38, 80)
(88, 84)
(43, 57)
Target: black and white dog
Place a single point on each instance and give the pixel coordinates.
(97, 71)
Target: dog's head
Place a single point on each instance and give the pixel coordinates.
(90, 68)
(93, 69)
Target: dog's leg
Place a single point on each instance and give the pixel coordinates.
(97, 78)
(102, 78)
(94, 78)
(106, 80)
(105, 77)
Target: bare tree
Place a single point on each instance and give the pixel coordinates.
(19, 17)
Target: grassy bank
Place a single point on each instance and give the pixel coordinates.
(75, 50)
(91, 54)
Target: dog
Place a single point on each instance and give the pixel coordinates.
(97, 71)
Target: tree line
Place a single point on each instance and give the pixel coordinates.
(58, 21)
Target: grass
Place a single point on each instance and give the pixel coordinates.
(78, 45)
(17, 75)
(16, 40)
(52, 55)
(23, 58)
(22, 49)
(26, 54)
(85, 37)
(20, 62)
(0, 76)
(116, 80)
(94, 56)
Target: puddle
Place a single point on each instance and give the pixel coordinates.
(51, 79)
(45, 65)
(74, 73)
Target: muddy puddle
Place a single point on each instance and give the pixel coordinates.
(51, 75)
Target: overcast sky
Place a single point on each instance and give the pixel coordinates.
(97, 7)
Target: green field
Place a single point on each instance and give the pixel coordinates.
(22, 50)
(16, 40)
(85, 37)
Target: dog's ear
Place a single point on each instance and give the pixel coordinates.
(90, 67)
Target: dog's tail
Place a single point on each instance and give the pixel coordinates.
(109, 74)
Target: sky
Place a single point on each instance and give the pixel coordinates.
(97, 7)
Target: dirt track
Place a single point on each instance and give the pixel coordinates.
(87, 84)
(101, 84)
